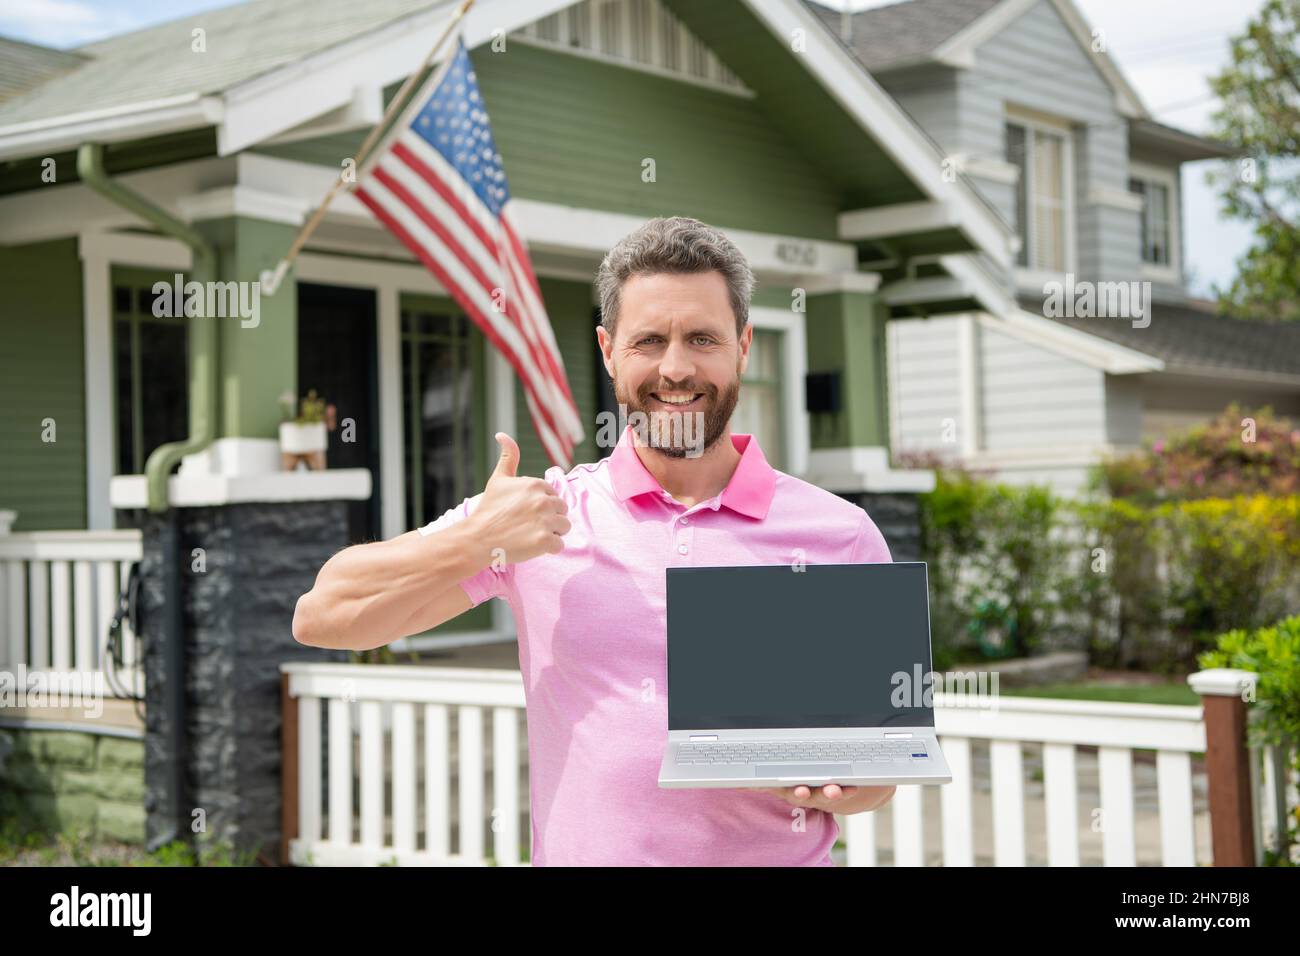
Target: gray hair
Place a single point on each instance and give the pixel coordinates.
(675, 244)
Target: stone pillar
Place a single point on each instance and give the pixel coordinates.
(245, 556)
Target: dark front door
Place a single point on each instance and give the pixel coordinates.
(337, 356)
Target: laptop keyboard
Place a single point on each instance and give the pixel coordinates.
(786, 751)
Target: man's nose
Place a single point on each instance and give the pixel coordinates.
(676, 364)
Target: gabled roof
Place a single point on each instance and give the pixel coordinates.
(24, 66)
(242, 42)
(905, 32)
(949, 31)
(1195, 340)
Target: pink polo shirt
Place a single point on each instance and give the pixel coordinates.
(592, 627)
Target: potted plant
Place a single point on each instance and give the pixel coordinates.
(303, 436)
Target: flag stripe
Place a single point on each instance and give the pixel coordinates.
(438, 184)
(427, 208)
(397, 218)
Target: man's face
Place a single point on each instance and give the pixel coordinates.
(675, 358)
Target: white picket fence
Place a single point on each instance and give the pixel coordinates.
(59, 591)
(364, 719)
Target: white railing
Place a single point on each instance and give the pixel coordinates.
(58, 591)
(363, 719)
(1061, 728)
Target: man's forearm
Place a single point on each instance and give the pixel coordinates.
(365, 594)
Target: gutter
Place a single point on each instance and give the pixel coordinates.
(202, 330)
(203, 345)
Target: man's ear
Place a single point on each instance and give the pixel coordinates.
(746, 339)
(606, 343)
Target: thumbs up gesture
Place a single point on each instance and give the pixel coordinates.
(525, 517)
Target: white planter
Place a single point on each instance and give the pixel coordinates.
(298, 439)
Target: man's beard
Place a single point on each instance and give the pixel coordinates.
(668, 433)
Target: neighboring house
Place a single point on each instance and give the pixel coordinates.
(1023, 98)
(756, 120)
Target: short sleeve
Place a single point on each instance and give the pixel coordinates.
(491, 581)
(870, 547)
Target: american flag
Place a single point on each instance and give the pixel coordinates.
(436, 182)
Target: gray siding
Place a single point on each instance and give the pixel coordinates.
(924, 382)
(1034, 398)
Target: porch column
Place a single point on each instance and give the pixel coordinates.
(1234, 829)
(258, 346)
(850, 445)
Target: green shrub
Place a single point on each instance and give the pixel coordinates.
(1274, 654)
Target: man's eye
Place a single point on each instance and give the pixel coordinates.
(648, 338)
(703, 338)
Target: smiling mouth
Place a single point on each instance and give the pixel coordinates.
(677, 400)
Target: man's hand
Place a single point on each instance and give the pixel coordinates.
(832, 797)
(524, 517)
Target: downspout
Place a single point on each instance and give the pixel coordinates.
(202, 330)
(203, 344)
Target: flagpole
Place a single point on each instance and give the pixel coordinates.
(271, 280)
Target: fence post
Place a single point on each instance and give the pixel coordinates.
(1227, 763)
(10, 638)
(288, 768)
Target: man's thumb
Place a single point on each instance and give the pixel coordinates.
(509, 460)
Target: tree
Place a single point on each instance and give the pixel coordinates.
(1260, 94)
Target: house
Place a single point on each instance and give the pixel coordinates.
(232, 124)
(1023, 98)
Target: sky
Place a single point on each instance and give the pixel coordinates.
(1166, 48)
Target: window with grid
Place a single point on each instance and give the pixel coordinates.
(442, 409)
(150, 369)
(1153, 220)
(1042, 193)
(760, 410)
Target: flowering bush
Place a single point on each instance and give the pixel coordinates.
(1238, 453)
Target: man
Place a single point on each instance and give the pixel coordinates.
(581, 559)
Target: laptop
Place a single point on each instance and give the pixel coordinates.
(779, 677)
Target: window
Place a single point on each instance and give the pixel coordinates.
(1043, 190)
(442, 409)
(151, 371)
(1155, 225)
(759, 411)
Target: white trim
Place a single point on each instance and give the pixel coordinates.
(862, 98)
(1071, 343)
(987, 167)
(349, 484)
(549, 226)
(652, 69)
(99, 252)
(392, 436)
(794, 355)
(959, 50)
(364, 110)
(864, 468)
(983, 286)
(110, 125)
(970, 365)
(1120, 199)
(867, 282)
(1034, 123)
(1171, 179)
(306, 89)
(884, 222)
(243, 201)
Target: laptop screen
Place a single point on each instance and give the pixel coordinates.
(832, 645)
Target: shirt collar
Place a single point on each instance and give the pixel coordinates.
(749, 491)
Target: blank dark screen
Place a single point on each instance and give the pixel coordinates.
(775, 647)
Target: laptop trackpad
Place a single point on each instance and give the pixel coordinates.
(803, 771)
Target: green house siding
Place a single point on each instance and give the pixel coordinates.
(575, 131)
(42, 377)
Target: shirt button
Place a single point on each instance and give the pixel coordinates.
(685, 520)
(681, 549)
